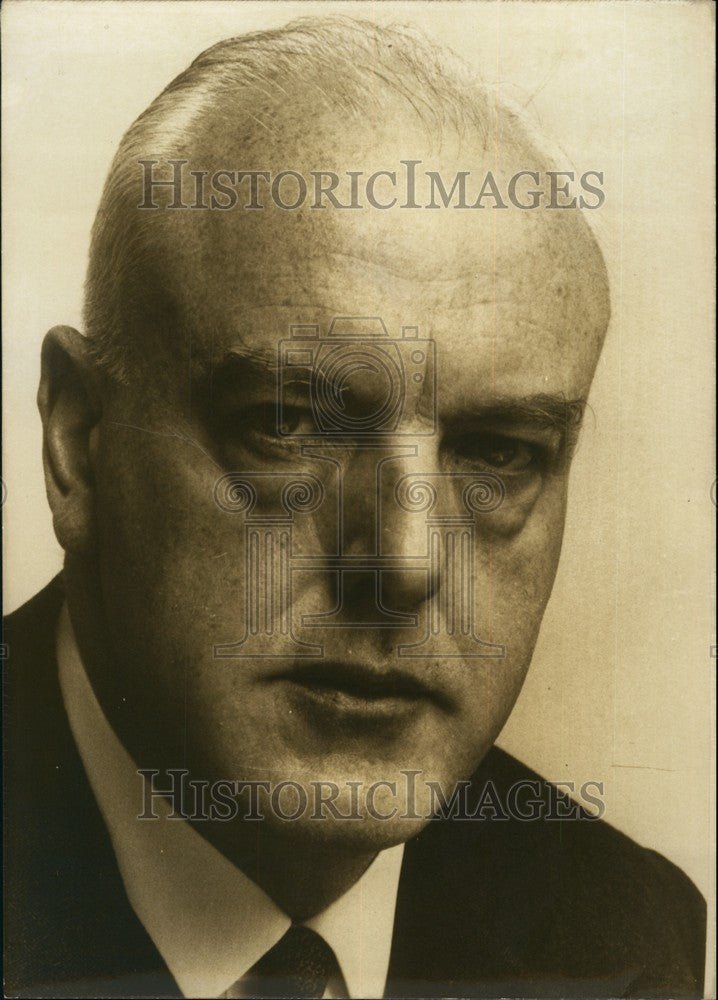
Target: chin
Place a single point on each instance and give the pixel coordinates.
(369, 807)
(360, 833)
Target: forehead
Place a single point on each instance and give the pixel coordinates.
(505, 293)
(499, 304)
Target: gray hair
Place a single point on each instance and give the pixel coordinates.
(259, 72)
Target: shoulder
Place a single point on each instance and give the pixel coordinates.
(30, 689)
(538, 888)
(33, 716)
(67, 918)
(615, 902)
(29, 632)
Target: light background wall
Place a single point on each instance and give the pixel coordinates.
(620, 690)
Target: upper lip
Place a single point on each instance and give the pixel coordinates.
(360, 680)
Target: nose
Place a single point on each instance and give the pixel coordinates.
(380, 524)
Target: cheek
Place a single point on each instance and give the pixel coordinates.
(526, 567)
(170, 558)
(514, 582)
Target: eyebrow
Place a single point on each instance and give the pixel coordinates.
(257, 361)
(544, 411)
(237, 366)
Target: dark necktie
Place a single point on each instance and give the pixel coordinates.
(299, 965)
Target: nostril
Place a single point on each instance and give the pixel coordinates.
(405, 589)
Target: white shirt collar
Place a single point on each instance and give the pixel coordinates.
(207, 919)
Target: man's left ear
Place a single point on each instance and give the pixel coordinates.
(69, 404)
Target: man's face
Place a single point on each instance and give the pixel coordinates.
(367, 633)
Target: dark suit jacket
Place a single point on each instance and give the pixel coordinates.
(485, 909)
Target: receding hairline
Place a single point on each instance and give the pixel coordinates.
(438, 90)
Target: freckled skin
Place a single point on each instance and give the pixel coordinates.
(517, 305)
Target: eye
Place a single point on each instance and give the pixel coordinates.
(263, 427)
(293, 420)
(506, 453)
(499, 452)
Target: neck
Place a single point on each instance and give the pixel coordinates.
(302, 878)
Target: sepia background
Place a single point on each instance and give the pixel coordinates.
(621, 687)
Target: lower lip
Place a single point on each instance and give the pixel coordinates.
(339, 704)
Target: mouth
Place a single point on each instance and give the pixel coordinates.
(355, 689)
